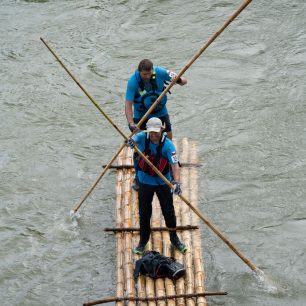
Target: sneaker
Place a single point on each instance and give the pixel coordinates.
(179, 245)
(135, 184)
(139, 250)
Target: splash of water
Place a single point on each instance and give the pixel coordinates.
(74, 215)
(265, 282)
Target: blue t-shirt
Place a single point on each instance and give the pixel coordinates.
(134, 92)
(168, 152)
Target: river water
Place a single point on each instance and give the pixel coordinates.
(244, 104)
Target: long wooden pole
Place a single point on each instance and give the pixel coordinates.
(89, 191)
(153, 229)
(83, 89)
(180, 287)
(196, 211)
(74, 210)
(116, 299)
(191, 61)
(127, 221)
(196, 235)
(120, 250)
(186, 219)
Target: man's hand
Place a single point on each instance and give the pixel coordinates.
(130, 143)
(176, 188)
(132, 127)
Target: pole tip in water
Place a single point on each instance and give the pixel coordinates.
(265, 281)
(74, 214)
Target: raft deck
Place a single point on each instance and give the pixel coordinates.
(127, 217)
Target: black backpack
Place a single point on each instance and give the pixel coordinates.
(155, 265)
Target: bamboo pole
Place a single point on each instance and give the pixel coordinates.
(150, 286)
(158, 246)
(180, 283)
(141, 281)
(150, 290)
(129, 267)
(93, 186)
(186, 236)
(183, 70)
(182, 165)
(156, 222)
(119, 236)
(205, 220)
(169, 284)
(114, 299)
(153, 229)
(150, 283)
(199, 214)
(196, 236)
(193, 59)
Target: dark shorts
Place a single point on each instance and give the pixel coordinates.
(164, 119)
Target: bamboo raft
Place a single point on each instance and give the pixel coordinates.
(127, 236)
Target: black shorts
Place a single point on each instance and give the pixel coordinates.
(164, 119)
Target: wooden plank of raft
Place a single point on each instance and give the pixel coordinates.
(158, 246)
(153, 229)
(141, 281)
(161, 292)
(180, 283)
(114, 299)
(196, 236)
(119, 237)
(168, 283)
(189, 283)
(127, 204)
(130, 166)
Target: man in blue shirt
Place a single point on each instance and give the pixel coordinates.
(162, 153)
(143, 89)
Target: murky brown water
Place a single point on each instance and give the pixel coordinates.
(244, 104)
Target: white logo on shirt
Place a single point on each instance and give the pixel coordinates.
(171, 74)
(174, 157)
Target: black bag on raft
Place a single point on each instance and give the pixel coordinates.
(155, 265)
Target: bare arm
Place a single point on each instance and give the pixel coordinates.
(176, 172)
(129, 111)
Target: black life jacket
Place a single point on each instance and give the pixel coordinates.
(155, 265)
(144, 99)
(161, 163)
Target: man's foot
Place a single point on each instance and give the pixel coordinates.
(179, 245)
(139, 250)
(135, 184)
